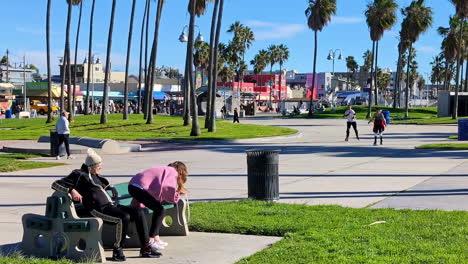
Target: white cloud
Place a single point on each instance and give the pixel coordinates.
(268, 30)
(34, 31)
(427, 49)
(347, 20)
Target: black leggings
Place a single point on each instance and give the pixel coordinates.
(150, 202)
(128, 214)
(63, 138)
(348, 126)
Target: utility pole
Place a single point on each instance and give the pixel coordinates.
(24, 83)
(7, 66)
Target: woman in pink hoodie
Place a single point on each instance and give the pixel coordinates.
(155, 186)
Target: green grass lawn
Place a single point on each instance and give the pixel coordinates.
(448, 146)
(18, 259)
(164, 127)
(334, 234)
(453, 137)
(16, 162)
(361, 112)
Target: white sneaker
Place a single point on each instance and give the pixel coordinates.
(57, 158)
(163, 243)
(156, 246)
(70, 157)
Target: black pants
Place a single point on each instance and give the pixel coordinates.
(127, 215)
(236, 119)
(150, 202)
(63, 138)
(348, 126)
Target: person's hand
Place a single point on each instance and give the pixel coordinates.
(76, 196)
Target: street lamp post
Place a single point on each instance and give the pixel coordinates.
(331, 56)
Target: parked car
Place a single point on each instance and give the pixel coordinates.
(41, 108)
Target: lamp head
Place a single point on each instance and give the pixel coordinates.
(340, 57)
(183, 37)
(329, 57)
(199, 38)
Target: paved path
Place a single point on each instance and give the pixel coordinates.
(317, 168)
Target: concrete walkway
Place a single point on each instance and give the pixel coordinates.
(316, 168)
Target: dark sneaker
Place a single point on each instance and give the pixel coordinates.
(118, 255)
(346, 139)
(148, 252)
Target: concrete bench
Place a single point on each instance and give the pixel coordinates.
(100, 145)
(170, 227)
(61, 233)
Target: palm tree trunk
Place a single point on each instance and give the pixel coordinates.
(281, 78)
(446, 80)
(154, 52)
(313, 73)
(49, 71)
(145, 102)
(141, 56)
(127, 63)
(376, 95)
(371, 82)
(212, 125)
(106, 77)
(187, 118)
(396, 86)
(407, 90)
(271, 86)
(466, 77)
(65, 64)
(195, 126)
(457, 79)
(90, 57)
(211, 66)
(76, 61)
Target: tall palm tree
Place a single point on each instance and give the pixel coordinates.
(418, 18)
(127, 63)
(201, 61)
(352, 67)
(154, 52)
(66, 52)
(211, 72)
(147, 96)
(380, 16)
(461, 7)
(90, 56)
(318, 13)
(141, 55)
(273, 54)
(215, 65)
(49, 71)
(437, 69)
(105, 98)
(403, 45)
(72, 113)
(283, 56)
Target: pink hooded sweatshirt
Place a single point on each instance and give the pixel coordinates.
(160, 182)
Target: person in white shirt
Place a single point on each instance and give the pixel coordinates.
(63, 131)
(351, 115)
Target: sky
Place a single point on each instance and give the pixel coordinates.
(272, 21)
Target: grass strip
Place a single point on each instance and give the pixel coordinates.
(164, 127)
(16, 162)
(447, 146)
(334, 234)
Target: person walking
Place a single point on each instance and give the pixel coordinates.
(88, 187)
(351, 115)
(236, 116)
(63, 131)
(379, 125)
(155, 186)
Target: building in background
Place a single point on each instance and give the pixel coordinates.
(16, 75)
(97, 73)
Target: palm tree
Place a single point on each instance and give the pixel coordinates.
(127, 63)
(72, 113)
(90, 56)
(380, 16)
(273, 55)
(383, 81)
(418, 18)
(65, 66)
(141, 55)
(403, 45)
(215, 64)
(201, 61)
(145, 100)
(318, 13)
(352, 67)
(437, 69)
(49, 71)
(461, 7)
(211, 73)
(105, 98)
(154, 52)
(283, 56)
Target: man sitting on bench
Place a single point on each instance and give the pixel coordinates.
(88, 187)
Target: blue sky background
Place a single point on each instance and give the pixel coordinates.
(273, 22)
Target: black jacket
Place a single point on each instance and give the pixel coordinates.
(94, 194)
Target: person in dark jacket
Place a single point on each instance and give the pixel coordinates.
(86, 186)
(236, 116)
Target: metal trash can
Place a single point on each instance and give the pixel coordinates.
(53, 142)
(462, 129)
(387, 116)
(262, 174)
(8, 114)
